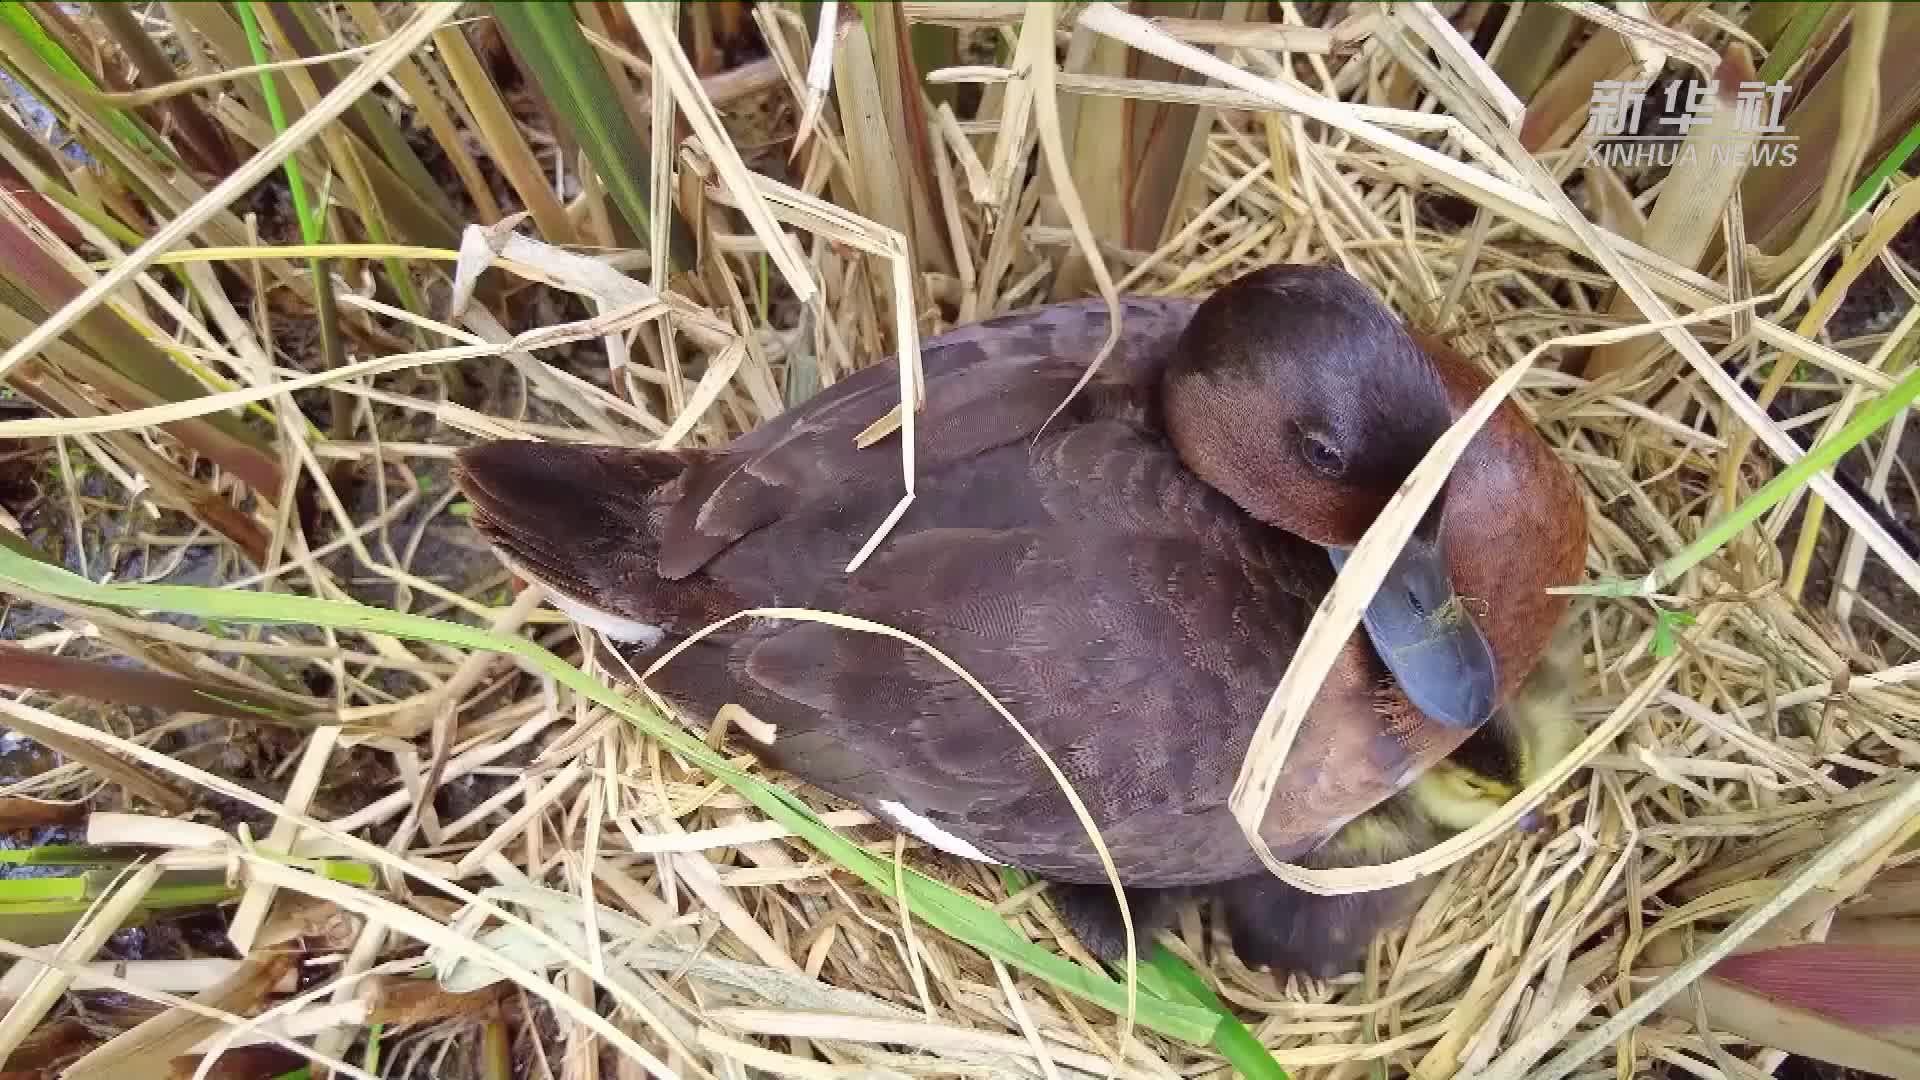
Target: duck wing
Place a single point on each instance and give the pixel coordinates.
(988, 384)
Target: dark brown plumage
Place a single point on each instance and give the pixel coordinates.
(1130, 581)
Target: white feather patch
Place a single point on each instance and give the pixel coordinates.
(934, 835)
(617, 627)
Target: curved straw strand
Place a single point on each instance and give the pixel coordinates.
(854, 622)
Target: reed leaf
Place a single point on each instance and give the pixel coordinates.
(99, 680)
(1688, 216)
(501, 135)
(43, 910)
(1895, 160)
(548, 39)
(1777, 200)
(423, 83)
(15, 16)
(202, 140)
(393, 194)
(215, 27)
(1785, 48)
(1532, 50)
(879, 179)
(298, 27)
(146, 375)
(1781, 1016)
(312, 222)
(1171, 978)
(1558, 110)
(902, 107)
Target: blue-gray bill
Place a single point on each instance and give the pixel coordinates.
(1426, 638)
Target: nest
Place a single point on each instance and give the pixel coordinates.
(1746, 784)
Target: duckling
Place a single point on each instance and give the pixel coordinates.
(1130, 577)
(1274, 925)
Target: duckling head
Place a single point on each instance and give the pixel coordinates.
(1523, 739)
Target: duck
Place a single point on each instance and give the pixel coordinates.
(1129, 575)
(1274, 926)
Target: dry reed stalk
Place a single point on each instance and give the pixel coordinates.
(1687, 217)
(1708, 782)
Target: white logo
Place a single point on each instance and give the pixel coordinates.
(1757, 134)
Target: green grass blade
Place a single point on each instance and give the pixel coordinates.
(1892, 163)
(346, 871)
(312, 220)
(303, 210)
(934, 903)
(548, 38)
(25, 893)
(1167, 976)
(1171, 978)
(57, 855)
(1794, 40)
(16, 16)
(305, 33)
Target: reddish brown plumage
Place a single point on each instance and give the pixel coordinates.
(1514, 525)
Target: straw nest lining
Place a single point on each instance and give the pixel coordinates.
(1721, 785)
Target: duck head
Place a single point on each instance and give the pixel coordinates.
(1298, 395)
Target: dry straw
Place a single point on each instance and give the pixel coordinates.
(1705, 815)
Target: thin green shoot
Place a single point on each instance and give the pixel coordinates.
(22, 22)
(1875, 416)
(1794, 41)
(303, 210)
(1892, 163)
(1666, 630)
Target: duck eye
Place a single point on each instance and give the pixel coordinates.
(1321, 455)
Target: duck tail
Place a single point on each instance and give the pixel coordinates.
(581, 521)
(1283, 929)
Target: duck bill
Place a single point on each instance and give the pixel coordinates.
(1426, 638)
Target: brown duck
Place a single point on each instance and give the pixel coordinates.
(1130, 580)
